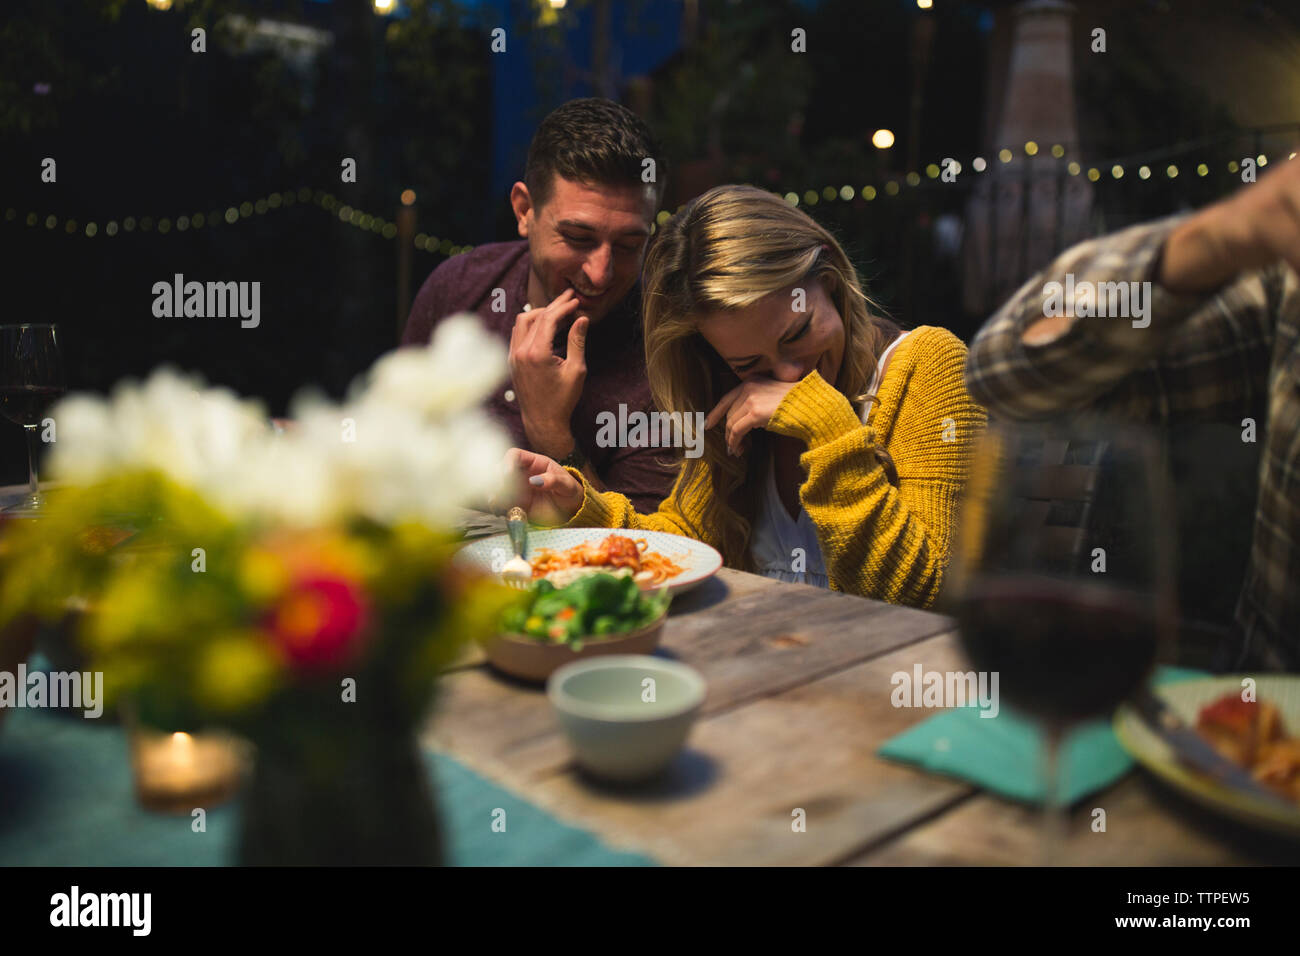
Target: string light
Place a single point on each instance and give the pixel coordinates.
(882, 138)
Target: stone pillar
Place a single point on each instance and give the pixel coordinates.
(1022, 213)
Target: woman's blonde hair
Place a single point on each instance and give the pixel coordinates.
(726, 250)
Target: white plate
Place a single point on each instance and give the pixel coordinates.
(1186, 698)
(697, 560)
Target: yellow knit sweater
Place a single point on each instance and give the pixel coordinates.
(877, 540)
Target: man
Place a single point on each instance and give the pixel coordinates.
(565, 295)
(1219, 342)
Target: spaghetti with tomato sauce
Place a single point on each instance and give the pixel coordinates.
(612, 555)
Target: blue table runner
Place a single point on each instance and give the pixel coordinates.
(67, 799)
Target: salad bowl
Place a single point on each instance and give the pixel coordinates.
(593, 616)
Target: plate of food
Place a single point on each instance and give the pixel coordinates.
(595, 614)
(655, 560)
(1254, 723)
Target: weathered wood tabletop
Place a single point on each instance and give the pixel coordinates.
(799, 700)
(798, 703)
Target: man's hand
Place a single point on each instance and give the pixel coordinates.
(1255, 227)
(546, 491)
(548, 387)
(749, 405)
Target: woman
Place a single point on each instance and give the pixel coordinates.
(837, 444)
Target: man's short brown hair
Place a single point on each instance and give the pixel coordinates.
(592, 141)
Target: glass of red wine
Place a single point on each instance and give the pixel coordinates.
(31, 378)
(1062, 579)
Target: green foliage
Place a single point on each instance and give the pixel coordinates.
(190, 645)
(734, 91)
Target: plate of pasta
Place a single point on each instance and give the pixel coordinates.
(655, 560)
(1254, 722)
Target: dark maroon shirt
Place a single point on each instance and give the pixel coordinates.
(615, 362)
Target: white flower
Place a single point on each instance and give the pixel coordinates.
(457, 370)
(170, 423)
(410, 444)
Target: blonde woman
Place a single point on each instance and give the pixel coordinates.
(837, 444)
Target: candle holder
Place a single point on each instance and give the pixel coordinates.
(179, 771)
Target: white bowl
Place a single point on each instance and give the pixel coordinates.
(626, 715)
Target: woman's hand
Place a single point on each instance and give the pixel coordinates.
(749, 405)
(547, 492)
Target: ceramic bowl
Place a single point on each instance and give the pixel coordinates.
(532, 660)
(626, 716)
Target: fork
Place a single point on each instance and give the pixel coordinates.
(517, 572)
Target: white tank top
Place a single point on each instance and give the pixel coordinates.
(787, 548)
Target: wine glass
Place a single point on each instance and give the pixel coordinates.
(1061, 576)
(31, 378)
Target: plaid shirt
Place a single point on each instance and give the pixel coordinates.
(1217, 357)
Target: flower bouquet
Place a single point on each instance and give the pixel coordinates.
(294, 586)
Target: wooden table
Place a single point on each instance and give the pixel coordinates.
(798, 703)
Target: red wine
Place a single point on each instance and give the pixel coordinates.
(1064, 651)
(27, 404)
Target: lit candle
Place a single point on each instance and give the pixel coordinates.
(179, 772)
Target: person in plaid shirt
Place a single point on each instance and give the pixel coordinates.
(1219, 341)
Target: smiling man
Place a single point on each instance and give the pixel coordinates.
(565, 295)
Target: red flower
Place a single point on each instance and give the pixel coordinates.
(318, 622)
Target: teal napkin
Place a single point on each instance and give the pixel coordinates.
(1004, 754)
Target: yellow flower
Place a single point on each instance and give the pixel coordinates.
(133, 608)
(235, 671)
(262, 575)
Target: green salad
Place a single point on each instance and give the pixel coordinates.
(594, 606)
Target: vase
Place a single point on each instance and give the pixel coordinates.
(16, 644)
(352, 795)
